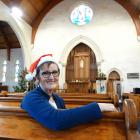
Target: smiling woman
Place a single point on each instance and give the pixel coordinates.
(48, 108)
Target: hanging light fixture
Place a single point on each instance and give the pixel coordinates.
(16, 12)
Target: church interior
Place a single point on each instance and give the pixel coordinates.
(96, 44)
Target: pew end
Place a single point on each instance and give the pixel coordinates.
(131, 119)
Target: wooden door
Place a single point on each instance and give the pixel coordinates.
(113, 83)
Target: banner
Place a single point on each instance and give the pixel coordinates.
(101, 86)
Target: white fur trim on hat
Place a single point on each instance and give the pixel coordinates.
(29, 77)
(45, 59)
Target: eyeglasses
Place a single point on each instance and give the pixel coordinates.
(47, 74)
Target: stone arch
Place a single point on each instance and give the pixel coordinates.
(117, 70)
(74, 42)
(7, 17)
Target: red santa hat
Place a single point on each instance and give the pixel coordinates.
(36, 64)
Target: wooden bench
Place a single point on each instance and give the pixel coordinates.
(11, 94)
(76, 95)
(15, 123)
(70, 102)
(73, 100)
(94, 96)
(10, 101)
(65, 95)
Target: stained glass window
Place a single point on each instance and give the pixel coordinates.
(81, 15)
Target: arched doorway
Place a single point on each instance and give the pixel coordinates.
(113, 83)
(81, 69)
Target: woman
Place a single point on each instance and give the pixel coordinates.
(47, 107)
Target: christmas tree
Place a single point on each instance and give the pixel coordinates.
(22, 82)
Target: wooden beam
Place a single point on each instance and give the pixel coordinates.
(12, 2)
(38, 19)
(133, 11)
(34, 5)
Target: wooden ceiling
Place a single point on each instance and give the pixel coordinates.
(30, 8)
(7, 37)
(35, 10)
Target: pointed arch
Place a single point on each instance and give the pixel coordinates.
(114, 84)
(117, 70)
(74, 42)
(67, 49)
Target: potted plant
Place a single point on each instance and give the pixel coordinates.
(101, 76)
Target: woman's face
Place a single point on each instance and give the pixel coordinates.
(49, 77)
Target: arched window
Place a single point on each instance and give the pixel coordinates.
(81, 15)
(16, 70)
(4, 70)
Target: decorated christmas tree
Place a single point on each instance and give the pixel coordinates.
(22, 82)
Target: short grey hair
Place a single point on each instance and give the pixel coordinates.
(48, 63)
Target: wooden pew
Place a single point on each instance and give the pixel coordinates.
(86, 100)
(10, 101)
(75, 96)
(11, 94)
(15, 123)
(65, 95)
(70, 102)
(94, 96)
